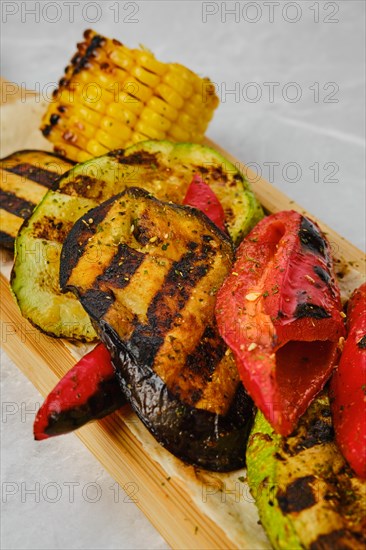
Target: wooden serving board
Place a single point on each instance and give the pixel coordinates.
(165, 500)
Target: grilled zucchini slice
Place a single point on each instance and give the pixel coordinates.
(25, 177)
(147, 273)
(307, 495)
(162, 168)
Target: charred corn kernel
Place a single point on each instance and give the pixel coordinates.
(146, 77)
(121, 113)
(154, 119)
(149, 131)
(111, 96)
(169, 95)
(114, 128)
(96, 149)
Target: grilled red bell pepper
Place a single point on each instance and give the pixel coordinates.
(279, 311)
(200, 196)
(87, 392)
(348, 387)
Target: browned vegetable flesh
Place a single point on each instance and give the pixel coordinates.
(147, 273)
(25, 177)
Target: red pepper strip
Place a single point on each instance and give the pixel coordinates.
(200, 196)
(279, 312)
(87, 392)
(348, 387)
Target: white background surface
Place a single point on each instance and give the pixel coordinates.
(312, 149)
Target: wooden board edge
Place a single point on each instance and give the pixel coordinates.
(44, 360)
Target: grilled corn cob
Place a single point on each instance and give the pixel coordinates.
(112, 97)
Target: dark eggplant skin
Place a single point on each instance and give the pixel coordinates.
(151, 298)
(199, 437)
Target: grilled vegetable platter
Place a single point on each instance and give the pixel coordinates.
(207, 315)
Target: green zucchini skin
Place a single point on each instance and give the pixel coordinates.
(307, 495)
(151, 296)
(163, 169)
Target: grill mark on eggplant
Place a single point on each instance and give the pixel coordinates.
(297, 496)
(311, 239)
(97, 302)
(16, 205)
(124, 264)
(182, 277)
(207, 355)
(83, 230)
(340, 538)
(44, 177)
(310, 310)
(164, 308)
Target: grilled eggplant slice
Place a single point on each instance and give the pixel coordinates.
(162, 168)
(151, 292)
(25, 177)
(307, 495)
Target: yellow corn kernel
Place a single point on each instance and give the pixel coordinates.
(148, 61)
(151, 118)
(169, 95)
(192, 110)
(110, 141)
(115, 128)
(132, 103)
(112, 82)
(149, 131)
(122, 114)
(179, 134)
(136, 89)
(136, 138)
(95, 148)
(178, 84)
(121, 96)
(186, 122)
(83, 127)
(144, 76)
(121, 59)
(162, 108)
(71, 152)
(88, 115)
